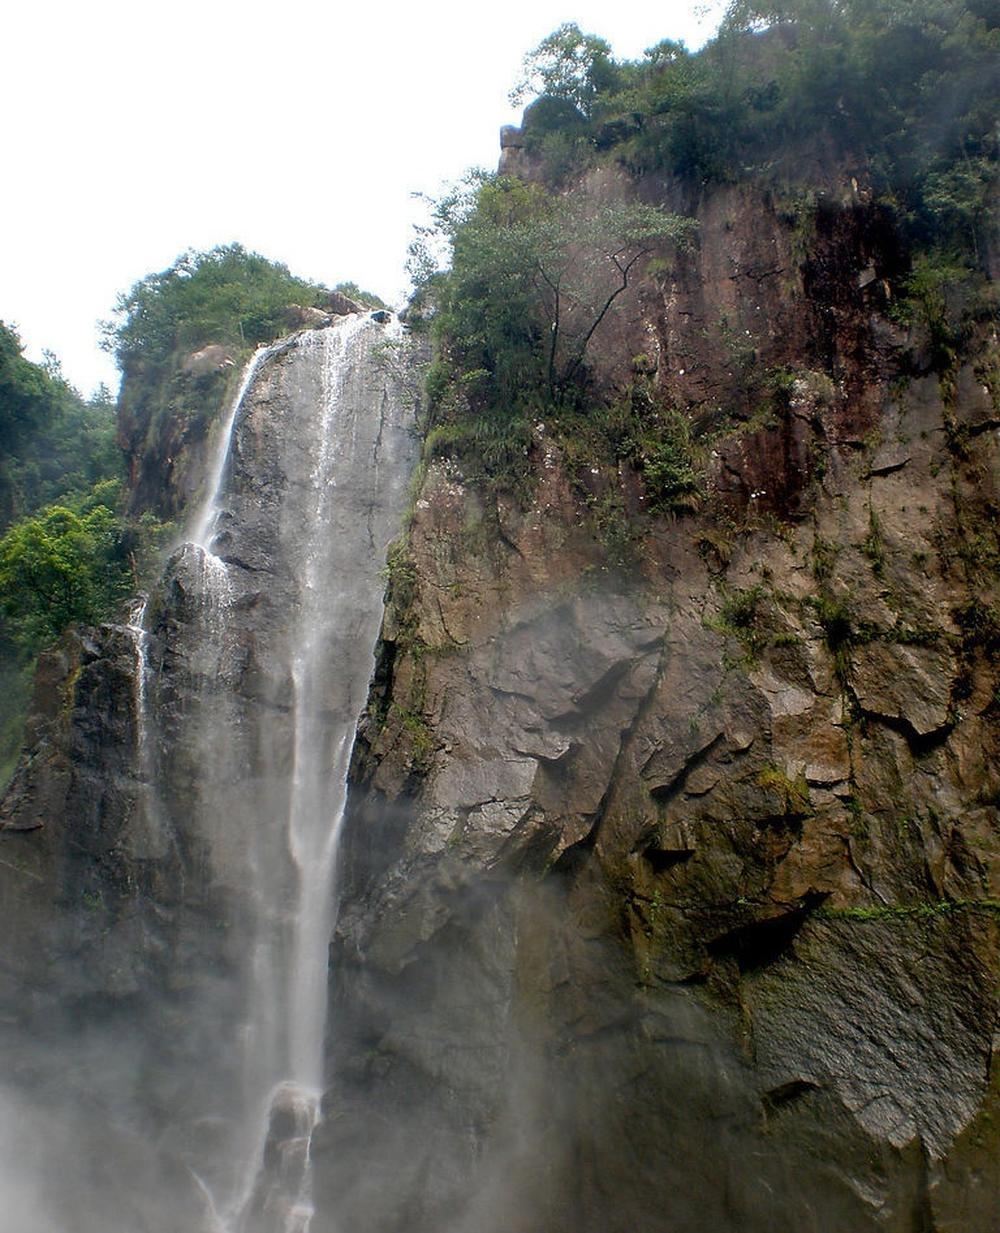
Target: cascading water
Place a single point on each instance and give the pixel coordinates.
(203, 525)
(151, 830)
(307, 489)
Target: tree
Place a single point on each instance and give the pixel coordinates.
(534, 277)
(24, 392)
(62, 566)
(568, 65)
(227, 295)
(52, 441)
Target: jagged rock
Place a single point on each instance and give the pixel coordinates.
(511, 137)
(908, 684)
(705, 876)
(669, 896)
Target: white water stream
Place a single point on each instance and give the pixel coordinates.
(337, 515)
(204, 523)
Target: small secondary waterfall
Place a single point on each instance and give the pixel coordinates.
(203, 525)
(282, 581)
(148, 839)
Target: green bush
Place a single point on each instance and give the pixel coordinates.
(227, 295)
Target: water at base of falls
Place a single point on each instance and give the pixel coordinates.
(344, 496)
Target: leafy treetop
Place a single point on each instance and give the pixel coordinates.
(534, 276)
(567, 65)
(907, 86)
(227, 295)
(52, 441)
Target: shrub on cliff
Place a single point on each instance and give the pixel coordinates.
(533, 277)
(909, 89)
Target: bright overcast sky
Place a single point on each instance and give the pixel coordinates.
(135, 129)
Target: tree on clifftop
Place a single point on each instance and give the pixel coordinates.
(533, 278)
(227, 295)
(567, 65)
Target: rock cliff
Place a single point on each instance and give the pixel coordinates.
(672, 883)
(671, 890)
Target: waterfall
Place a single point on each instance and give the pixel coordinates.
(306, 490)
(203, 524)
(148, 839)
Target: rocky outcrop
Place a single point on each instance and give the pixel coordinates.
(341, 305)
(207, 360)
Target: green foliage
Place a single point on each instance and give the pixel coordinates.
(672, 480)
(742, 615)
(25, 393)
(227, 295)
(533, 278)
(568, 66)
(792, 792)
(52, 441)
(65, 564)
(937, 297)
(839, 633)
(908, 87)
(922, 910)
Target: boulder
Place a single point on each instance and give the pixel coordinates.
(511, 137)
(306, 317)
(208, 360)
(341, 305)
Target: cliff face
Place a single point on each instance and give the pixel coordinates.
(672, 883)
(671, 888)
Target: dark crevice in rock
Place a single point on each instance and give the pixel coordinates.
(887, 468)
(528, 849)
(760, 943)
(559, 762)
(240, 563)
(919, 742)
(573, 858)
(923, 1214)
(662, 859)
(987, 425)
(577, 854)
(663, 794)
(777, 1098)
(603, 690)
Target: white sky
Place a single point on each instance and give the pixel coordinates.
(135, 129)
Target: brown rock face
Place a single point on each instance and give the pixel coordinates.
(670, 895)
